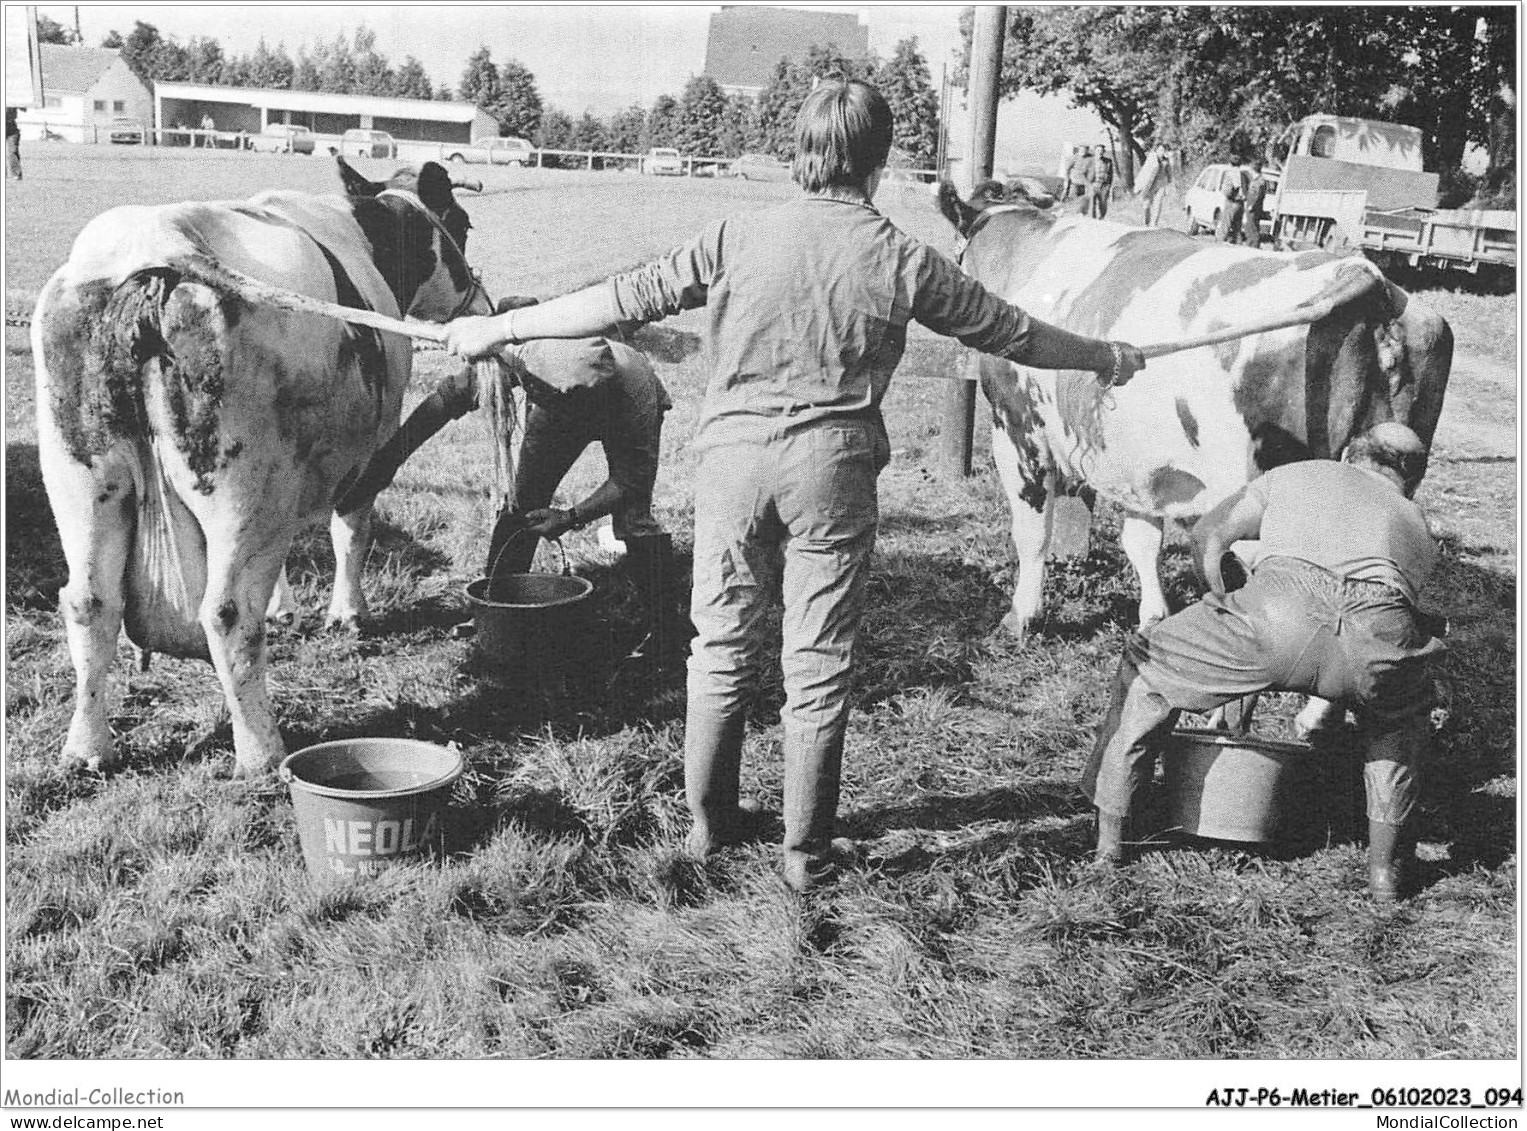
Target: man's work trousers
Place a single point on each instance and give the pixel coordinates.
(553, 442)
(1292, 627)
(799, 509)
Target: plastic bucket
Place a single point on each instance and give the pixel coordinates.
(530, 628)
(1232, 786)
(365, 804)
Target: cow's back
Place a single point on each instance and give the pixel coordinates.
(1194, 426)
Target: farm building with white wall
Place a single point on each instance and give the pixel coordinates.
(83, 89)
(184, 105)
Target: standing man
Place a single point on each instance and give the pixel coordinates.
(808, 304)
(1329, 610)
(12, 144)
(1154, 179)
(1256, 208)
(1079, 177)
(1232, 205)
(1102, 183)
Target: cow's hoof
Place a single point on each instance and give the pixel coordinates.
(1015, 628)
(347, 624)
(251, 769)
(283, 621)
(73, 764)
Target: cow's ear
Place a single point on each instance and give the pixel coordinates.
(435, 188)
(355, 184)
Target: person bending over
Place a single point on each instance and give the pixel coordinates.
(1329, 610)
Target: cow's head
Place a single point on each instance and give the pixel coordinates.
(409, 179)
(416, 230)
(1019, 193)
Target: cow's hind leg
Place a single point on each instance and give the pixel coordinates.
(95, 515)
(350, 534)
(1141, 538)
(239, 587)
(282, 610)
(1031, 506)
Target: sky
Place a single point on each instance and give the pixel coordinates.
(600, 58)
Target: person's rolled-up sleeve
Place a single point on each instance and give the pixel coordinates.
(679, 280)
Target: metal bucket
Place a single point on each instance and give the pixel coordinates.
(529, 629)
(1228, 786)
(366, 804)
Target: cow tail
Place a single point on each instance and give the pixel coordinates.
(167, 575)
(134, 318)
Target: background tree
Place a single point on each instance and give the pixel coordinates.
(788, 86)
(625, 130)
(304, 71)
(905, 82)
(1226, 81)
(373, 73)
(702, 118)
(663, 122)
(204, 61)
(479, 81)
(739, 127)
(411, 81)
(555, 131)
(336, 66)
(51, 31)
(265, 68)
(519, 108)
(588, 133)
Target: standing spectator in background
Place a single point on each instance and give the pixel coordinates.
(209, 125)
(1086, 168)
(1154, 179)
(1102, 184)
(1233, 207)
(12, 144)
(1256, 208)
(1078, 173)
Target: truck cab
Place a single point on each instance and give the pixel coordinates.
(1335, 170)
(1354, 184)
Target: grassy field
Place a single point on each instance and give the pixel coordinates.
(162, 911)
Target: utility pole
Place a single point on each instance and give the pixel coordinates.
(959, 410)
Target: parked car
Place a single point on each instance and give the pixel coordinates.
(278, 137)
(126, 131)
(759, 167)
(367, 143)
(661, 162)
(1206, 197)
(493, 151)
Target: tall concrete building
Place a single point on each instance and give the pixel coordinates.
(747, 42)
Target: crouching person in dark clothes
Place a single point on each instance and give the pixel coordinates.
(580, 392)
(1329, 610)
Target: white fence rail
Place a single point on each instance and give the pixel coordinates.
(404, 149)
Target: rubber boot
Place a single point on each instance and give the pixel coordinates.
(712, 766)
(1113, 840)
(1391, 861)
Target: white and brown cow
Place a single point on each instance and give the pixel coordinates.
(186, 433)
(1192, 427)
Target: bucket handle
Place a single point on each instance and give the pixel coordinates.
(566, 570)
